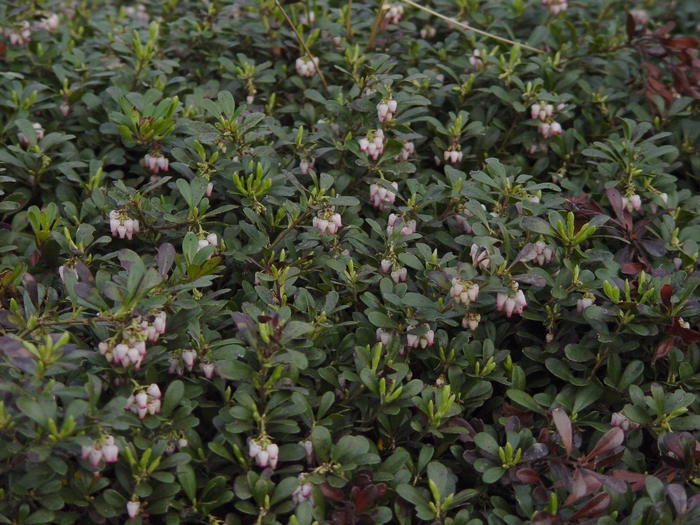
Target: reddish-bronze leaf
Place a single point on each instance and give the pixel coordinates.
(544, 518)
(612, 439)
(332, 493)
(597, 504)
(680, 43)
(563, 424)
(662, 350)
(527, 476)
(364, 498)
(631, 25)
(632, 268)
(666, 293)
(616, 202)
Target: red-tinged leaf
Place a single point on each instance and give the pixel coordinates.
(666, 293)
(666, 28)
(596, 505)
(689, 336)
(657, 88)
(633, 268)
(563, 424)
(381, 489)
(610, 460)
(674, 328)
(584, 484)
(631, 26)
(635, 479)
(654, 247)
(527, 476)
(364, 498)
(662, 350)
(617, 485)
(654, 71)
(343, 516)
(612, 439)
(680, 43)
(629, 476)
(543, 518)
(616, 202)
(332, 493)
(672, 441)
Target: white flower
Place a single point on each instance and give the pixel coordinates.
(133, 508)
(110, 453)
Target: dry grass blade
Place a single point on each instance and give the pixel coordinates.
(302, 44)
(470, 28)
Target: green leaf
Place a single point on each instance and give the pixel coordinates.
(525, 400)
(188, 481)
(321, 440)
(172, 397)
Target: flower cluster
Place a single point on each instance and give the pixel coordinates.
(632, 203)
(392, 15)
(471, 320)
(104, 449)
(545, 252)
(263, 457)
(463, 292)
(327, 220)
(305, 164)
(303, 491)
(480, 256)
(121, 224)
(555, 6)
(372, 144)
(133, 347)
(18, 36)
(187, 358)
(585, 301)
(428, 32)
(24, 141)
(379, 195)
(476, 61)
(138, 12)
(386, 109)
(512, 302)
(619, 419)
(155, 162)
(49, 23)
(209, 240)
(306, 67)
(147, 402)
(453, 154)
(407, 227)
(423, 340)
(408, 149)
(547, 127)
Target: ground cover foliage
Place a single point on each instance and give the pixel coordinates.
(349, 263)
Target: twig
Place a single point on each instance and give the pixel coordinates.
(377, 21)
(470, 28)
(303, 44)
(282, 235)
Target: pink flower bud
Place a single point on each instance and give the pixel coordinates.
(210, 188)
(392, 105)
(85, 451)
(535, 110)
